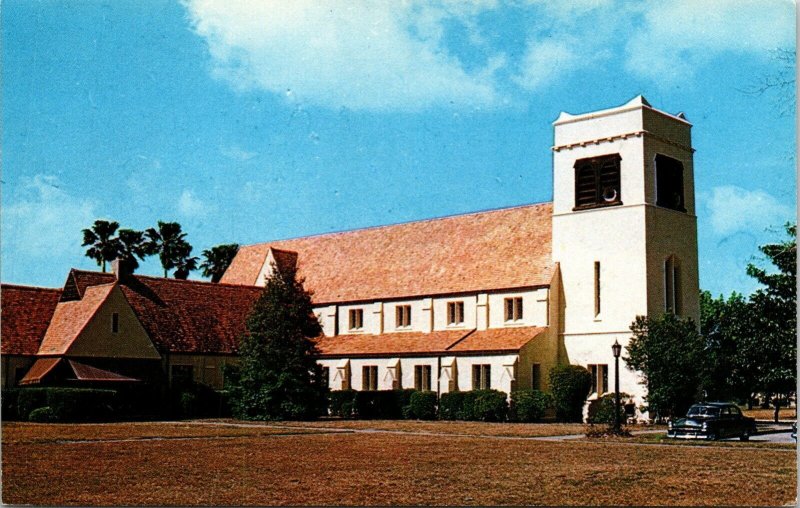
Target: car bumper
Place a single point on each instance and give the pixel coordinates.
(688, 434)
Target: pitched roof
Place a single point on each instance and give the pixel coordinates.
(499, 249)
(70, 318)
(85, 372)
(437, 342)
(39, 370)
(26, 313)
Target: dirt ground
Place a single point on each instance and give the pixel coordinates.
(195, 464)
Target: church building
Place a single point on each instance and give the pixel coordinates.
(491, 299)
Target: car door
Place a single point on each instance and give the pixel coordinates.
(726, 423)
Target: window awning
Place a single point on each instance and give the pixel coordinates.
(342, 368)
(509, 363)
(89, 373)
(449, 367)
(39, 370)
(392, 370)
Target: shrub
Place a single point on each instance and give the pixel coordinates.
(450, 405)
(602, 409)
(570, 385)
(81, 404)
(42, 415)
(422, 405)
(606, 431)
(381, 404)
(341, 403)
(30, 399)
(529, 405)
(489, 406)
(10, 398)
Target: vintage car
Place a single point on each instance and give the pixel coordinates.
(712, 420)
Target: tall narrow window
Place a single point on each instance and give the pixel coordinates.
(481, 377)
(669, 183)
(403, 316)
(455, 313)
(597, 182)
(369, 377)
(599, 378)
(536, 376)
(596, 288)
(513, 309)
(672, 286)
(422, 377)
(115, 322)
(356, 319)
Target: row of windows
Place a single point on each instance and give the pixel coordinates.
(455, 314)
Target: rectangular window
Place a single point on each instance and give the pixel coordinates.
(422, 377)
(403, 316)
(182, 375)
(481, 377)
(356, 319)
(669, 183)
(672, 286)
(325, 376)
(369, 377)
(536, 377)
(114, 322)
(599, 378)
(597, 182)
(455, 313)
(513, 309)
(596, 288)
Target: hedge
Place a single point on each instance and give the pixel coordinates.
(381, 404)
(529, 405)
(602, 409)
(29, 399)
(10, 397)
(450, 405)
(422, 405)
(43, 415)
(570, 385)
(66, 404)
(341, 403)
(475, 405)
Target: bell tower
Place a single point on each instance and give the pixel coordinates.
(624, 229)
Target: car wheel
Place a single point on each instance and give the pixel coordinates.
(712, 436)
(745, 436)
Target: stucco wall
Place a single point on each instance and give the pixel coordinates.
(206, 369)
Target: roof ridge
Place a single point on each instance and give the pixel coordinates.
(28, 287)
(418, 221)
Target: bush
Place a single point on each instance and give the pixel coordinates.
(42, 415)
(602, 409)
(489, 406)
(341, 403)
(81, 404)
(381, 404)
(30, 399)
(529, 405)
(603, 431)
(570, 385)
(199, 400)
(10, 399)
(422, 405)
(451, 405)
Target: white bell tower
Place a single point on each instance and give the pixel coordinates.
(624, 229)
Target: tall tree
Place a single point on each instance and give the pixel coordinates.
(217, 260)
(132, 246)
(668, 351)
(278, 376)
(774, 338)
(169, 242)
(185, 263)
(103, 245)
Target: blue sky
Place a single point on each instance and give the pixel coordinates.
(248, 122)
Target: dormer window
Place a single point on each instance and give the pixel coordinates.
(455, 313)
(115, 322)
(403, 316)
(669, 183)
(597, 182)
(513, 308)
(356, 319)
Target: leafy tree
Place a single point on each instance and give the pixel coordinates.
(103, 245)
(278, 377)
(169, 242)
(668, 351)
(133, 245)
(774, 316)
(217, 260)
(185, 263)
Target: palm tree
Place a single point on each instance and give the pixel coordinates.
(184, 262)
(133, 245)
(169, 242)
(217, 260)
(104, 246)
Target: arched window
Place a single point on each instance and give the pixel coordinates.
(669, 183)
(597, 182)
(672, 285)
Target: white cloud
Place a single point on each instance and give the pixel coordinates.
(360, 55)
(545, 61)
(190, 205)
(44, 226)
(734, 209)
(238, 154)
(679, 35)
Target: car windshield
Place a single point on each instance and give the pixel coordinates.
(703, 411)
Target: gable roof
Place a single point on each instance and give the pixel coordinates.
(70, 318)
(26, 313)
(499, 249)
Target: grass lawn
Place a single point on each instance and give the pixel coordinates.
(263, 465)
(659, 438)
(786, 413)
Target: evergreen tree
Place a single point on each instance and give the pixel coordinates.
(278, 377)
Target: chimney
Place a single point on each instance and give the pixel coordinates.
(122, 268)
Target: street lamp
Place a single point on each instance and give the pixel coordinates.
(617, 350)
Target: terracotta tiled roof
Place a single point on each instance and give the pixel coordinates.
(389, 343)
(85, 372)
(39, 370)
(70, 318)
(438, 342)
(497, 339)
(182, 316)
(498, 249)
(79, 280)
(26, 312)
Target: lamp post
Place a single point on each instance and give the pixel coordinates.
(617, 350)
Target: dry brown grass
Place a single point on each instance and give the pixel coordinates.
(769, 414)
(380, 468)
